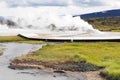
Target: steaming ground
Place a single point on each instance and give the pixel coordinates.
(42, 20)
(45, 19)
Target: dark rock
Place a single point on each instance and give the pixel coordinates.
(11, 67)
(61, 71)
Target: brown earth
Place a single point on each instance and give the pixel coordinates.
(67, 66)
(92, 72)
(93, 75)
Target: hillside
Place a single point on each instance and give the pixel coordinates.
(105, 23)
(108, 13)
(105, 20)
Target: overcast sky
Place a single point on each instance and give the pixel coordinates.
(81, 3)
(73, 7)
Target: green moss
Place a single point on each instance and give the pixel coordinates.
(115, 30)
(1, 52)
(112, 72)
(18, 39)
(103, 54)
(11, 38)
(105, 23)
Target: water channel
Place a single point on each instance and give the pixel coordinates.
(12, 50)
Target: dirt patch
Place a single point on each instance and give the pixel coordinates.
(89, 70)
(93, 75)
(67, 66)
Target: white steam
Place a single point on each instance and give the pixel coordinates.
(45, 19)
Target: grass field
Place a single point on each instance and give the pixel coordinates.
(103, 54)
(11, 38)
(1, 52)
(105, 23)
(18, 39)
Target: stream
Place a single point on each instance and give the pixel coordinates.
(12, 50)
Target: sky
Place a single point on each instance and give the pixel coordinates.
(40, 13)
(80, 3)
(75, 6)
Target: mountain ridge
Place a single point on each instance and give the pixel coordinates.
(107, 13)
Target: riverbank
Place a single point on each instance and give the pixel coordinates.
(91, 75)
(18, 39)
(75, 57)
(1, 52)
(55, 66)
(90, 71)
(71, 57)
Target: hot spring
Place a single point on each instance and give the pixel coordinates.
(49, 22)
(38, 20)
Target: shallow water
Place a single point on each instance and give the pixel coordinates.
(12, 50)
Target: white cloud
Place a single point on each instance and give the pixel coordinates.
(3, 4)
(80, 3)
(36, 2)
(31, 15)
(113, 3)
(80, 6)
(87, 0)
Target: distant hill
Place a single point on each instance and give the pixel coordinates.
(105, 23)
(105, 20)
(108, 13)
(1, 19)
